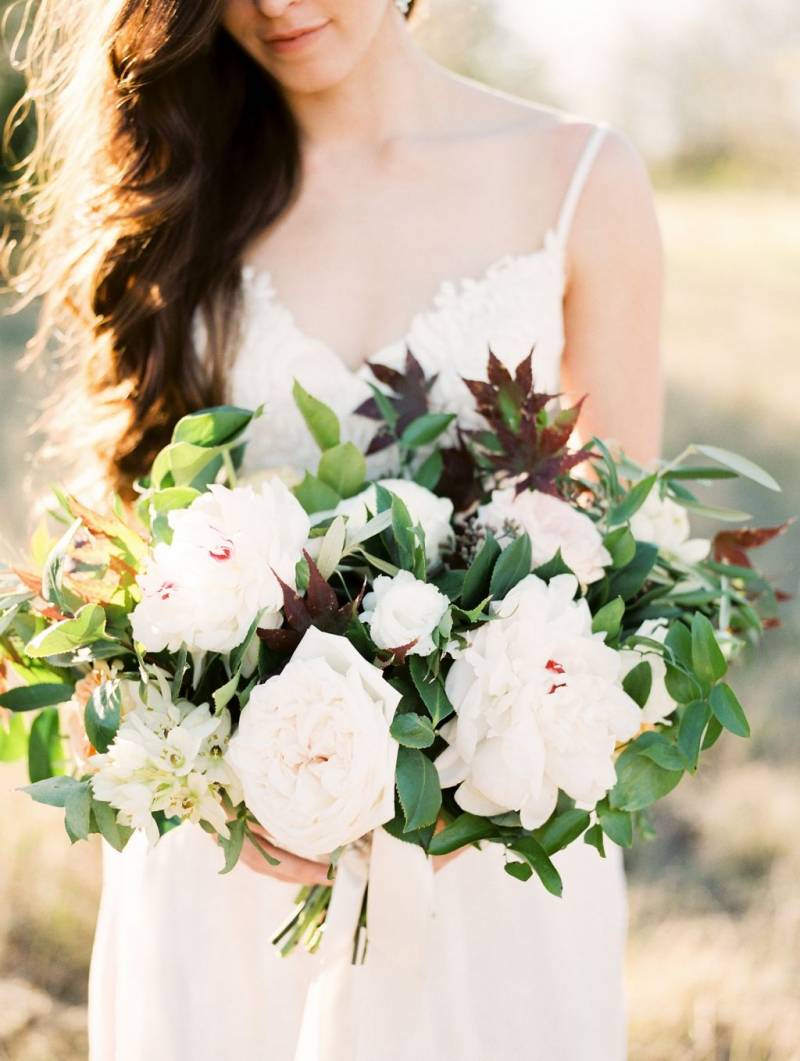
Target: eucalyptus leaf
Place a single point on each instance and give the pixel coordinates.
(741, 465)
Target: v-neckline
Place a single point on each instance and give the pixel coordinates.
(257, 275)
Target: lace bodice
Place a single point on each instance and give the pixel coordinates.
(514, 306)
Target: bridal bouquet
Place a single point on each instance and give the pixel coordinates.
(508, 641)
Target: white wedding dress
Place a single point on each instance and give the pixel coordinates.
(182, 968)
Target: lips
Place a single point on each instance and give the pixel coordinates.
(291, 35)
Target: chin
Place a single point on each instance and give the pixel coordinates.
(316, 75)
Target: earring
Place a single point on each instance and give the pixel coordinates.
(402, 6)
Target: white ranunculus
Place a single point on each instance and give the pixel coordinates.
(539, 706)
(424, 507)
(551, 524)
(206, 587)
(313, 749)
(665, 523)
(660, 704)
(166, 756)
(403, 609)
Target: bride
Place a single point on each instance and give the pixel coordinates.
(244, 192)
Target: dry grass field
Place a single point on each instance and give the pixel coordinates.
(714, 959)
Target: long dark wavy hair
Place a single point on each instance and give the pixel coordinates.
(161, 149)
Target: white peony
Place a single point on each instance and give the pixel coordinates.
(403, 609)
(539, 706)
(313, 750)
(660, 704)
(665, 523)
(551, 524)
(206, 587)
(424, 507)
(166, 756)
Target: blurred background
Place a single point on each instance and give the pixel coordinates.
(710, 94)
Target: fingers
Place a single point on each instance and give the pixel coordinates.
(291, 868)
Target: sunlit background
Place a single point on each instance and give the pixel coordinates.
(709, 91)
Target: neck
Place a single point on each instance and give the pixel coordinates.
(389, 94)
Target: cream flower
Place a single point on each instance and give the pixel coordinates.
(206, 587)
(166, 756)
(313, 750)
(404, 609)
(539, 706)
(665, 523)
(551, 524)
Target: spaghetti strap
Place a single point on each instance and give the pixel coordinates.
(579, 176)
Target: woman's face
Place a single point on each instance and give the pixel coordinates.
(336, 33)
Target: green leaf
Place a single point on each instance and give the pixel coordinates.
(53, 791)
(431, 690)
(536, 857)
(430, 471)
(184, 464)
(741, 465)
(690, 731)
(413, 730)
(13, 740)
(707, 657)
(633, 501)
(105, 818)
(609, 619)
(665, 753)
(641, 782)
(621, 545)
(594, 838)
(314, 495)
(232, 846)
(479, 573)
(343, 468)
(616, 824)
(513, 564)
(322, 421)
(212, 427)
(638, 682)
(463, 830)
(519, 870)
(52, 588)
(426, 429)
(102, 714)
(627, 582)
(552, 568)
(88, 625)
(712, 734)
(34, 697)
(403, 531)
(78, 805)
(44, 745)
(560, 831)
(418, 788)
(728, 711)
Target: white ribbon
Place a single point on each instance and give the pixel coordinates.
(370, 1011)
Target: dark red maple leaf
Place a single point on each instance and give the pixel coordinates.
(319, 607)
(407, 395)
(731, 546)
(528, 446)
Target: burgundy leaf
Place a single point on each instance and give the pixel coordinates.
(729, 547)
(294, 607)
(321, 600)
(282, 640)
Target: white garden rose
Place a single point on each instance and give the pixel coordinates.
(206, 587)
(404, 609)
(539, 706)
(660, 704)
(551, 524)
(313, 749)
(166, 756)
(424, 507)
(665, 523)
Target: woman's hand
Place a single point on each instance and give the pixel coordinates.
(291, 868)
